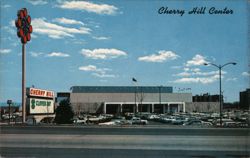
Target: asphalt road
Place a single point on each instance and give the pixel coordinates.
(98, 142)
(124, 130)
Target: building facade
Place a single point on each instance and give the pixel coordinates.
(126, 99)
(205, 103)
(133, 99)
(245, 99)
(206, 98)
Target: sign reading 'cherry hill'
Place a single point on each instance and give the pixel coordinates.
(34, 92)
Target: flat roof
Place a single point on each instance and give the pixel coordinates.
(121, 89)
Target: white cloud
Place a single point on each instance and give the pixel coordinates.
(36, 54)
(98, 72)
(162, 56)
(245, 74)
(103, 53)
(194, 75)
(203, 80)
(57, 54)
(196, 60)
(68, 21)
(103, 81)
(77, 41)
(89, 7)
(183, 74)
(37, 2)
(175, 67)
(186, 69)
(5, 51)
(187, 80)
(213, 58)
(197, 72)
(12, 23)
(9, 30)
(231, 79)
(6, 6)
(101, 38)
(15, 44)
(209, 73)
(56, 31)
(88, 68)
(33, 35)
(103, 75)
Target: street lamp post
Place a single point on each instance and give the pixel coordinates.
(220, 68)
(9, 102)
(160, 87)
(135, 81)
(160, 94)
(141, 99)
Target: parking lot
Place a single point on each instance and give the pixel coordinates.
(235, 119)
(229, 119)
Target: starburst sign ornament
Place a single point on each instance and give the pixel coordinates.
(23, 24)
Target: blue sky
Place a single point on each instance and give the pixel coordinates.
(109, 42)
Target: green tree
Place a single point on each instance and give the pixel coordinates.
(64, 113)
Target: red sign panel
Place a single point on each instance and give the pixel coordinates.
(40, 93)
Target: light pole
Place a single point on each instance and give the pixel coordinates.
(160, 94)
(9, 102)
(135, 81)
(160, 87)
(220, 67)
(141, 99)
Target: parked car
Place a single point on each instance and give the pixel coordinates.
(115, 122)
(110, 123)
(167, 119)
(153, 117)
(216, 122)
(231, 124)
(79, 121)
(6, 116)
(197, 123)
(179, 120)
(137, 120)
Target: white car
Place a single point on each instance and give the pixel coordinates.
(109, 123)
(80, 121)
(137, 120)
(115, 122)
(198, 123)
(152, 117)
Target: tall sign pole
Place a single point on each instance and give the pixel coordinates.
(24, 29)
(23, 84)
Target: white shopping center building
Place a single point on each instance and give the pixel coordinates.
(123, 99)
